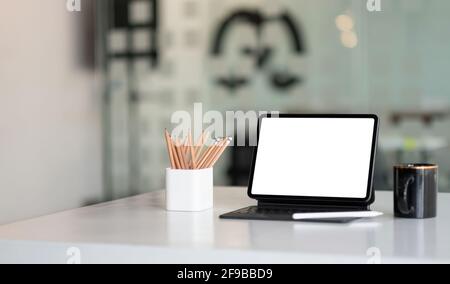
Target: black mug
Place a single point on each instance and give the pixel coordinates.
(415, 190)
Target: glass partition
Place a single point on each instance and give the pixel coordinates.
(387, 57)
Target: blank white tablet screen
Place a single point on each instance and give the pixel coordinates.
(313, 157)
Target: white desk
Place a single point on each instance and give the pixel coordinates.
(138, 229)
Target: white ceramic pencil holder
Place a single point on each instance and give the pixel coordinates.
(189, 190)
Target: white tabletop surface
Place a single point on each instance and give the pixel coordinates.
(138, 229)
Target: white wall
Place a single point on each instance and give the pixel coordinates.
(50, 119)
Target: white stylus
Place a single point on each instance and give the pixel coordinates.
(330, 215)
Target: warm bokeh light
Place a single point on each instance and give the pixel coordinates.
(344, 23)
(349, 39)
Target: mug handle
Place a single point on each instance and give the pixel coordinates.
(402, 199)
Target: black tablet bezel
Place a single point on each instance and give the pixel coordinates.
(367, 200)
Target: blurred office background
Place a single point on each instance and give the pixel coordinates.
(85, 95)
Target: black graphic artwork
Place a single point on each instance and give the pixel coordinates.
(260, 54)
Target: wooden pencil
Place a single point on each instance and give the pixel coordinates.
(200, 143)
(185, 145)
(223, 148)
(199, 147)
(181, 146)
(175, 154)
(180, 154)
(183, 153)
(169, 149)
(214, 153)
(205, 156)
(191, 148)
(216, 150)
(187, 151)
